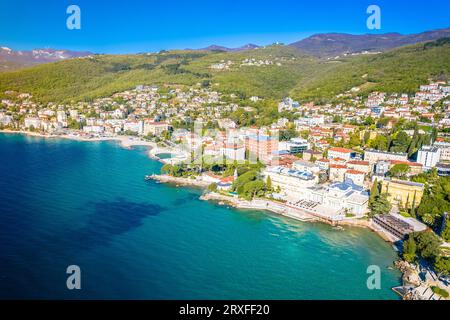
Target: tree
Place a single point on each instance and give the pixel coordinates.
(409, 249)
(167, 169)
(374, 192)
(428, 245)
(253, 189)
(269, 183)
(442, 265)
(379, 143)
(446, 231)
(212, 187)
(381, 205)
(400, 170)
(400, 142)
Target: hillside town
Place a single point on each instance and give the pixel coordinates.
(371, 160)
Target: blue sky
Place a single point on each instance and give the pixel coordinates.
(145, 26)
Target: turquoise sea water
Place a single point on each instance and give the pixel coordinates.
(86, 203)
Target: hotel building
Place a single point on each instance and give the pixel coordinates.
(404, 193)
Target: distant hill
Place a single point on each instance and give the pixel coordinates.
(249, 46)
(294, 74)
(11, 59)
(337, 44)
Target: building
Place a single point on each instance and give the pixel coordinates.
(397, 225)
(294, 146)
(445, 150)
(415, 168)
(360, 165)
(292, 183)
(332, 202)
(337, 172)
(134, 126)
(443, 169)
(303, 165)
(309, 155)
(261, 146)
(342, 197)
(155, 128)
(233, 151)
(342, 153)
(403, 193)
(309, 122)
(375, 155)
(429, 156)
(393, 225)
(356, 176)
(32, 122)
(94, 129)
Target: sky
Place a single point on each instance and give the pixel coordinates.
(151, 25)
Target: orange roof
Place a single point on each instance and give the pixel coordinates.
(359, 162)
(227, 179)
(412, 164)
(338, 166)
(342, 150)
(351, 171)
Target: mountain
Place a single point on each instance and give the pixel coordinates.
(303, 77)
(249, 46)
(337, 44)
(11, 59)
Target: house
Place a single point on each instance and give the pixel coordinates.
(375, 155)
(356, 176)
(309, 155)
(360, 165)
(337, 172)
(403, 193)
(343, 153)
(233, 151)
(323, 164)
(303, 165)
(155, 128)
(414, 167)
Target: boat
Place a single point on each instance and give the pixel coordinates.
(148, 177)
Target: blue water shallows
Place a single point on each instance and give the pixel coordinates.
(66, 202)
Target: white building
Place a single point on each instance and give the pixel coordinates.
(445, 150)
(233, 152)
(429, 156)
(342, 153)
(375, 155)
(32, 122)
(310, 122)
(94, 129)
(295, 145)
(134, 126)
(293, 183)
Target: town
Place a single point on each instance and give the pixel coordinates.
(381, 161)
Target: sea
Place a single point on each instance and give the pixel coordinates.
(66, 203)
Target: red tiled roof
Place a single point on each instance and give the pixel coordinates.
(411, 164)
(342, 150)
(351, 171)
(359, 162)
(338, 166)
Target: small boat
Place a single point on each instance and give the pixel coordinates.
(148, 177)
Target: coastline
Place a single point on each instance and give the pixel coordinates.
(125, 141)
(257, 204)
(268, 205)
